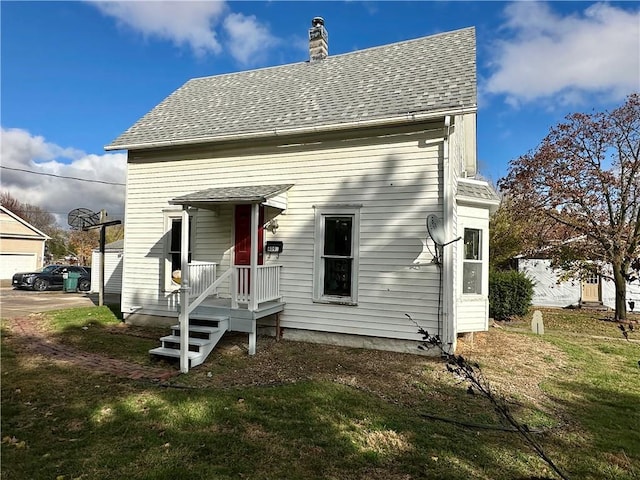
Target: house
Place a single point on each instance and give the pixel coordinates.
(294, 199)
(113, 253)
(22, 245)
(552, 289)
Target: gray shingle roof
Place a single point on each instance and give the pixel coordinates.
(476, 191)
(244, 194)
(392, 82)
(118, 245)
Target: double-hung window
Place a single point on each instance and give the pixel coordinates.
(173, 246)
(472, 261)
(337, 233)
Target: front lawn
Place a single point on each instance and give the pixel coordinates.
(305, 411)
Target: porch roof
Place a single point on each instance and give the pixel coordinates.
(234, 195)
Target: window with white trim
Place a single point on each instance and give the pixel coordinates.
(337, 235)
(173, 243)
(472, 261)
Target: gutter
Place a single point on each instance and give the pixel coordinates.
(406, 118)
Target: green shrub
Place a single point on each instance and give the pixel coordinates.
(510, 294)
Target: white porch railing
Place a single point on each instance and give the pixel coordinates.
(200, 282)
(267, 283)
(208, 291)
(203, 282)
(201, 276)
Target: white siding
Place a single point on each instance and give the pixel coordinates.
(460, 153)
(396, 180)
(112, 272)
(473, 315)
(550, 290)
(473, 310)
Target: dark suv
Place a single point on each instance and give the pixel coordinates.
(52, 277)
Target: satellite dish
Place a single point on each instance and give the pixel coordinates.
(435, 229)
(82, 218)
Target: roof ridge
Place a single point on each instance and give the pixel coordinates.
(329, 57)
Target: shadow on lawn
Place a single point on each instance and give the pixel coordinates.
(77, 423)
(613, 421)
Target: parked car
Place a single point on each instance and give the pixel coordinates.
(52, 277)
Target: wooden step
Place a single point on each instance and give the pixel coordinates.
(195, 329)
(192, 341)
(210, 318)
(172, 352)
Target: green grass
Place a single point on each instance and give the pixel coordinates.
(99, 330)
(315, 412)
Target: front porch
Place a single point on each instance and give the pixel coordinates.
(244, 292)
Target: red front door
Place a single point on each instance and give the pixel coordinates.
(243, 235)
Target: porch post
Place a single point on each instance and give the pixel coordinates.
(255, 208)
(184, 292)
(253, 304)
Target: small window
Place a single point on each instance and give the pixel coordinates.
(592, 279)
(336, 260)
(172, 273)
(472, 263)
(176, 243)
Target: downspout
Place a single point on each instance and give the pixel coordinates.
(184, 292)
(448, 316)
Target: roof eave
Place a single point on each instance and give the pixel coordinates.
(204, 203)
(493, 204)
(43, 236)
(406, 118)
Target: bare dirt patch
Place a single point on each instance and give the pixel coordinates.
(515, 365)
(389, 374)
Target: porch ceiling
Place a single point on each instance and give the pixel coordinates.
(231, 195)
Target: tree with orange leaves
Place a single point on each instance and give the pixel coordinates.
(82, 243)
(584, 179)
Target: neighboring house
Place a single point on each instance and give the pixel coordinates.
(550, 289)
(21, 245)
(113, 253)
(302, 190)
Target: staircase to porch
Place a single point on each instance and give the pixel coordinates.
(204, 317)
(204, 335)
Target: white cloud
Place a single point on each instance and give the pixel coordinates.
(194, 24)
(248, 39)
(23, 151)
(182, 22)
(564, 59)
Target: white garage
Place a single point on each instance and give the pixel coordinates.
(11, 263)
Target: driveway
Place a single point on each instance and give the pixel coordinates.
(20, 303)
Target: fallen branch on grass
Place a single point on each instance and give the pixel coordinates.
(480, 426)
(471, 373)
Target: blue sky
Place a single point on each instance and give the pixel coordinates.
(74, 75)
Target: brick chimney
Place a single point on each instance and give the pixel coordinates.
(318, 40)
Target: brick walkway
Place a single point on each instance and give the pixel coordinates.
(31, 336)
